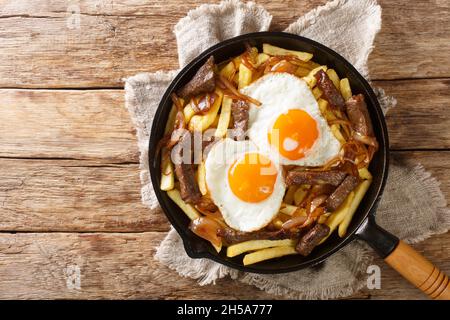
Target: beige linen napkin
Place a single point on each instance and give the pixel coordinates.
(412, 207)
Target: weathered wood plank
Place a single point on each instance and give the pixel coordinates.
(42, 45)
(58, 195)
(42, 266)
(66, 124)
(94, 124)
(66, 195)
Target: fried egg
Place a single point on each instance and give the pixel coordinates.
(247, 186)
(289, 124)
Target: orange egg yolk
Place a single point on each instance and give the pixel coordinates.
(252, 178)
(293, 133)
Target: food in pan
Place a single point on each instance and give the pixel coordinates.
(267, 153)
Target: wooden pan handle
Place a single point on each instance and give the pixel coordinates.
(419, 271)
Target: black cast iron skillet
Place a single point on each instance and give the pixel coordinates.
(363, 226)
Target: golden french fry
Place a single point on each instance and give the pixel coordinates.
(228, 71)
(346, 91)
(188, 112)
(300, 194)
(202, 122)
(189, 210)
(201, 178)
(277, 51)
(252, 245)
(317, 92)
(278, 223)
(360, 191)
(266, 254)
(338, 216)
(326, 112)
(217, 247)
(237, 62)
(245, 76)
(365, 174)
(310, 79)
(290, 209)
(215, 122)
(289, 196)
(171, 119)
(261, 58)
(302, 71)
(334, 77)
(224, 117)
(167, 174)
(335, 129)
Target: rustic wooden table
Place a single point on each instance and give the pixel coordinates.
(69, 178)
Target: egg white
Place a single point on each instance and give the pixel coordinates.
(238, 214)
(279, 93)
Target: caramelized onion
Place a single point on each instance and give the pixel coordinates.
(207, 228)
(204, 104)
(226, 84)
(316, 202)
(371, 141)
(284, 66)
(295, 222)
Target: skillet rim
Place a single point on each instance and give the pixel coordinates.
(184, 232)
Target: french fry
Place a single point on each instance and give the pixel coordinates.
(317, 92)
(245, 76)
(287, 209)
(167, 174)
(215, 122)
(228, 71)
(277, 223)
(201, 178)
(300, 194)
(237, 62)
(289, 197)
(188, 112)
(334, 77)
(346, 91)
(189, 210)
(224, 117)
(171, 119)
(261, 58)
(310, 79)
(276, 51)
(202, 122)
(338, 216)
(323, 107)
(365, 174)
(252, 245)
(302, 71)
(335, 129)
(360, 191)
(266, 254)
(217, 247)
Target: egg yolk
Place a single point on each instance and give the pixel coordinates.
(252, 177)
(293, 133)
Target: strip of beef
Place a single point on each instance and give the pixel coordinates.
(329, 90)
(338, 196)
(297, 177)
(359, 115)
(240, 113)
(184, 169)
(202, 82)
(231, 236)
(312, 238)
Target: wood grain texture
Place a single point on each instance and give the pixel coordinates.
(94, 125)
(41, 266)
(64, 195)
(69, 195)
(419, 271)
(48, 44)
